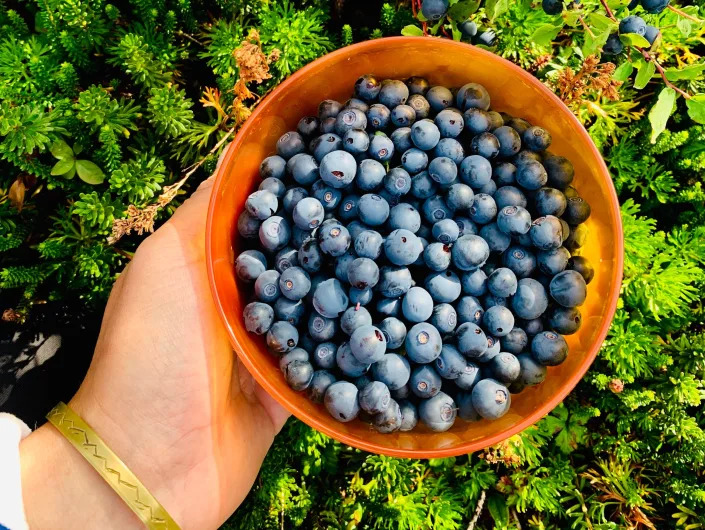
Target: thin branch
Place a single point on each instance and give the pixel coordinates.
(587, 28)
(478, 511)
(684, 14)
(609, 11)
(515, 515)
(650, 58)
(181, 33)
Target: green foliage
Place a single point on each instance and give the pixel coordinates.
(120, 89)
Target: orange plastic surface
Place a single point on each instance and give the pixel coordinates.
(451, 64)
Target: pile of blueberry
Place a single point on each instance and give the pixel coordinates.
(414, 255)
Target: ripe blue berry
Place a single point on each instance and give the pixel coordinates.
(568, 288)
(341, 401)
(423, 343)
(393, 370)
(425, 381)
(491, 399)
(258, 317)
(438, 412)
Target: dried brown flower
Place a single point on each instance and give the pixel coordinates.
(616, 386)
(593, 79)
(10, 315)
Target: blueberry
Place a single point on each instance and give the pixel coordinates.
(248, 226)
(342, 264)
(308, 213)
(504, 174)
(370, 175)
(320, 328)
(434, 9)
(308, 126)
(583, 266)
(324, 355)
(333, 239)
(531, 372)
(549, 348)
(356, 142)
(632, 24)
(330, 299)
(338, 169)
(613, 46)
(394, 332)
(552, 7)
(353, 318)
(498, 320)
(282, 337)
(403, 115)
(368, 244)
(497, 240)
(515, 341)
(381, 148)
(468, 28)
(435, 209)
(476, 120)
(485, 144)
(414, 160)
(446, 230)
(423, 343)
(470, 252)
(378, 116)
(450, 123)
(420, 106)
(397, 182)
(450, 364)
(438, 412)
(393, 93)
(350, 118)
(261, 204)
(402, 247)
(272, 167)
(348, 363)
(409, 415)
(390, 420)
(299, 374)
(470, 376)
(553, 261)
(425, 381)
(290, 144)
(451, 148)
(328, 108)
(437, 256)
(273, 185)
(576, 238)
(347, 211)
(487, 37)
(393, 370)
(471, 340)
(514, 220)
(568, 288)
(520, 259)
(491, 399)
(374, 397)
(327, 195)
(490, 300)
(417, 85)
(483, 209)
(546, 232)
(320, 382)
(363, 273)
(651, 34)
(531, 327)
(424, 134)
(401, 139)
(373, 209)
(341, 401)
(360, 296)
(577, 211)
(250, 264)
(473, 95)
(550, 201)
(466, 410)
(291, 198)
(439, 97)
(327, 126)
(258, 317)
(502, 282)
(320, 147)
(530, 300)
(285, 258)
(394, 281)
(536, 138)
(367, 87)
(444, 318)
(297, 354)
(564, 320)
(474, 283)
(509, 140)
(444, 287)
(531, 175)
(291, 311)
(310, 255)
(417, 305)
(492, 351)
(559, 170)
(654, 6)
(443, 170)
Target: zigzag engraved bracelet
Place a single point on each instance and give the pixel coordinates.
(111, 468)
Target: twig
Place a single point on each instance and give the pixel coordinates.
(181, 33)
(192, 168)
(684, 14)
(478, 511)
(609, 11)
(650, 58)
(587, 28)
(516, 518)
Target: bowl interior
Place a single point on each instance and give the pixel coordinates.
(451, 64)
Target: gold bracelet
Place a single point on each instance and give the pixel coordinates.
(111, 468)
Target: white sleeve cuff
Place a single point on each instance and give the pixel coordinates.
(12, 430)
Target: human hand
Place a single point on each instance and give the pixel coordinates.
(165, 392)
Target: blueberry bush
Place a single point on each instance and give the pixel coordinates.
(111, 113)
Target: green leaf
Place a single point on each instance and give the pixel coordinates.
(696, 108)
(457, 34)
(689, 72)
(544, 34)
(661, 111)
(496, 7)
(411, 31)
(623, 71)
(634, 39)
(77, 148)
(685, 26)
(592, 44)
(61, 150)
(63, 166)
(646, 72)
(71, 173)
(89, 172)
(463, 9)
(572, 18)
(497, 507)
(601, 22)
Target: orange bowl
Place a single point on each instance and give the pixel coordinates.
(448, 63)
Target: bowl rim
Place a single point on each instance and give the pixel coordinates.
(465, 447)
